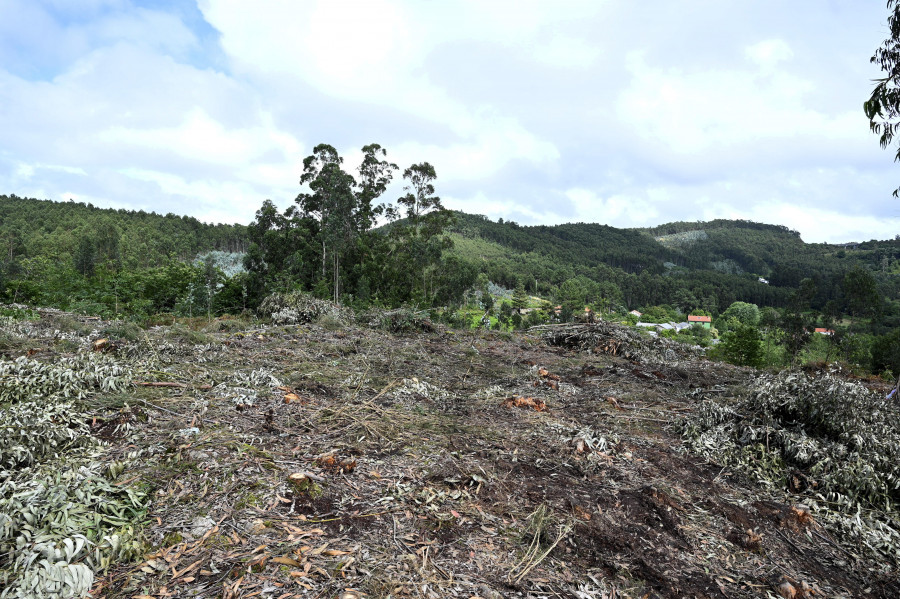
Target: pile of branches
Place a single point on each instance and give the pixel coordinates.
(615, 340)
(62, 516)
(832, 440)
(301, 308)
(401, 320)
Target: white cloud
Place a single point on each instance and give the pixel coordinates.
(635, 211)
(710, 120)
(567, 53)
(768, 53)
(209, 148)
(372, 52)
(201, 138)
(535, 111)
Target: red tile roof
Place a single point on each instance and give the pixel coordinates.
(699, 319)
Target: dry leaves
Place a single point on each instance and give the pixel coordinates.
(517, 401)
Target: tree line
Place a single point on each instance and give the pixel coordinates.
(341, 239)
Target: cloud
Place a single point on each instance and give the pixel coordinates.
(373, 53)
(38, 40)
(116, 111)
(539, 112)
(768, 53)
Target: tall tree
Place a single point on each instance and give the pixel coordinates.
(743, 346)
(375, 174)
(333, 203)
(861, 291)
(883, 105)
(795, 321)
(426, 219)
(85, 257)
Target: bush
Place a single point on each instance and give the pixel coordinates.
(402, 320)
(743, 346)
(183, 334)
(696, 334)
(886, 352)
(123, 330)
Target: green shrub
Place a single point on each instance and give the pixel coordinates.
(742, 346)
(123, 330)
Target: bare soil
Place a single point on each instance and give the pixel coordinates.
(419, 478)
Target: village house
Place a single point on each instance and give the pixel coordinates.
(705, 321)
(823, 331)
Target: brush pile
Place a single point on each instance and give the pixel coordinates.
(831, 440)
(61, 517)
(615, 340)
(301, 308)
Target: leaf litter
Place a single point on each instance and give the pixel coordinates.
(331, 459)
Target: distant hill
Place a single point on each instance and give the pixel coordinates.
(713, 263)
(31, 228)
(723, 257)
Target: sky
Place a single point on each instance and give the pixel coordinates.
(625, 113)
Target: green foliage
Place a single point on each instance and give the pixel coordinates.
(182, 333)
(744, 313)
(85, 259)
(520, 298)
(861, 291)
(696, 334)
(660, 314)
(128, 331)
(883, 106)
(886, 353)
(574, 294)
(119, 264)
(742, 346)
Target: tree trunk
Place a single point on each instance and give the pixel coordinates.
(337, 277)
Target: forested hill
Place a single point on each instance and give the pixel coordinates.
(60, 253)
(31, 228)
(721, 259)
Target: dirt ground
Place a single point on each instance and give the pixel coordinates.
(306, 461)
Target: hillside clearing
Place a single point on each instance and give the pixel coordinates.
(303, 460)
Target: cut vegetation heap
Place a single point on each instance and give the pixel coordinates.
(833, 442)
(61, 518)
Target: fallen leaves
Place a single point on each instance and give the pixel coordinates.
(517, 401)
(287, 561)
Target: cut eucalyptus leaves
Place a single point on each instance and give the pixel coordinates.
(69, 377)
(830, 439)
(61, 517)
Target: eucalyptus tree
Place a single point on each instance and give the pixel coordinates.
(375, 174)
(426, 219)
(332, 203)
(883, 105)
